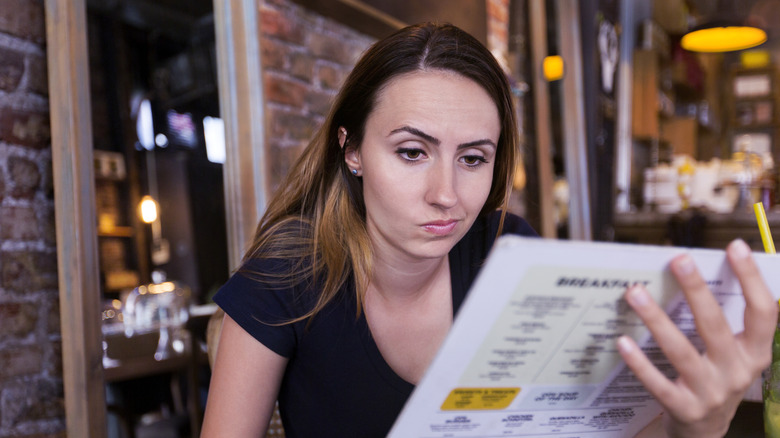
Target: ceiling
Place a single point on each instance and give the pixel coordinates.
(763, 13)
(178, 20)
(184, 20)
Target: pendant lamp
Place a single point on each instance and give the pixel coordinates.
(723, 32)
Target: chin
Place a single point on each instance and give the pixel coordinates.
(435, 249)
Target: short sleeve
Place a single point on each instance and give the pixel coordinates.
(514, 224)
(261, 308)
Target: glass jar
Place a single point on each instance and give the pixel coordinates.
(771, 391)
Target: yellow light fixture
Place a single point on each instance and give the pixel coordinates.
(727, 29)
(552, 67)
(148, 209)
(755, 58)
(716, 38)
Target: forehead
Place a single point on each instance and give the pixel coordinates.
(442, 97)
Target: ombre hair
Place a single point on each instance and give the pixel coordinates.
(316, 221)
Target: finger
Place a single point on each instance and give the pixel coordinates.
(711, 324)
(760, 306)
(656, 383)
(685, 358)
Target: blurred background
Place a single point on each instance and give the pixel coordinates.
(631, 131)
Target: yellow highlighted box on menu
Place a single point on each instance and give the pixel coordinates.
(467, 399)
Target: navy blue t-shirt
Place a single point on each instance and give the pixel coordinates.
(336, 383)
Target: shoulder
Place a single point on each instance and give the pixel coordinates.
(513, 224)
(265, 295)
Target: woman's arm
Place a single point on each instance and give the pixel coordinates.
(244, 385)
(702, 401)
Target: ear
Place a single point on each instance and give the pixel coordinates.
(352, 158)
(342, 135)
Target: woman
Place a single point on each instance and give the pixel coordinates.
(365, 254)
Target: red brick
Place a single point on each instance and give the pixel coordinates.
(291, 126)
(53, 317)
(331, 48)
(27, 271)
(60, 434)
(11, 69)
(302, 66)
(25, 177)
(20, 361)
(47, 185)
(330, 77)
(275, 24)
(2, 185)
(498, 10)
(24, 19)
(26, 402)
(46, 226)
(17, 319)
(281, 90)
(18, 223)
(53, 359)
(281, 159)
(319, 102)
(38, 75)
(24, 128)
(272, 53)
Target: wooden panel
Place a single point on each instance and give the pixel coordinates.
(74, 199)
(682, 134)
(644, 102)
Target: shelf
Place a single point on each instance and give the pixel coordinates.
(117, 231)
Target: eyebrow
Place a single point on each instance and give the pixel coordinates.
(431, 139)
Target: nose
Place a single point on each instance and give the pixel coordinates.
(441, 186)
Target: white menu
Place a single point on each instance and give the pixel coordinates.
(532, 351)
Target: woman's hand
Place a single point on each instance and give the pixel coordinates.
(703, 399)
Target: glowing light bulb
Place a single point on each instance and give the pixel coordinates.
(147, 210)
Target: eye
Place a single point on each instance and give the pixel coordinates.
(474, 160)
(411, 154)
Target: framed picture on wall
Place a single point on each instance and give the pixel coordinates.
(753, 85)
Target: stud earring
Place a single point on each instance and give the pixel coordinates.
(354, 172)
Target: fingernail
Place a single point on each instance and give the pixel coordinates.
(624, 345)
(684, 265)
(739, 249)
(638, 297)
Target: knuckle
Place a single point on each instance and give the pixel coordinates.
(741, 380)
(696, 412)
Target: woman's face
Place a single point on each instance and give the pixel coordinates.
(426, 160)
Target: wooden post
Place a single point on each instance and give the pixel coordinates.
(241, 107)
(541, 93)
(74, 199)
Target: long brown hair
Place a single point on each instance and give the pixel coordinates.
(316, 221)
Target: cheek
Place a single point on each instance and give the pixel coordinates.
(477, 190)
(386, 191)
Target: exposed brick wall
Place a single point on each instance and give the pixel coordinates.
(498, 26)
(31, 395)
(305, 58)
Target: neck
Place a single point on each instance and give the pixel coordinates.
(395, 280)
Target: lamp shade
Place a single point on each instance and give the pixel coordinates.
(716, 37)
(552, 67)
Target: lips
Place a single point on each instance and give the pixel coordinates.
(440, 228)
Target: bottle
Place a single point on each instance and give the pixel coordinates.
(771, 391)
